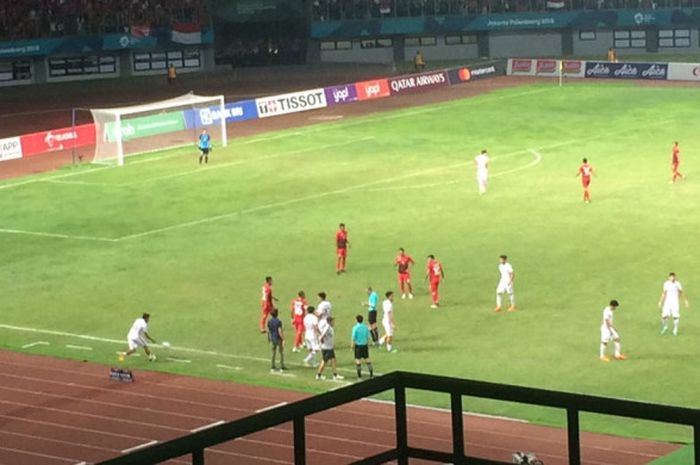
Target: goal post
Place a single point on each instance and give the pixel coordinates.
(125, 131)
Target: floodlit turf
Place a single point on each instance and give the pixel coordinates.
(192, 245)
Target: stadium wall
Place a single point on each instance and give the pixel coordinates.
(582, 33)
(526, 43)
(77, 58)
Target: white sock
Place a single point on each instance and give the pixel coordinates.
(618, 349)
(388, 347)
(381, 340)
(499, 300)
(676, 322)
(512, 299)
(602, 350)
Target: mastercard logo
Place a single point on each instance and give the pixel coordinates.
(696, 71)
(464, 74)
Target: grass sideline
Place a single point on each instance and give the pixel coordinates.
(399, 179)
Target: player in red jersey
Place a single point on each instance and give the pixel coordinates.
(675, 162)
(403, 262)
(586, 173)
(266, 303)
(298, 313)
(341, 247)
(435, 273)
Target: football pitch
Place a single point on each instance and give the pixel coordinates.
(84, 251)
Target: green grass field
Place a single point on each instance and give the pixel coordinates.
(192, 245)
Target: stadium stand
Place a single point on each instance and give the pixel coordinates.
(324, 10)
(28, 19)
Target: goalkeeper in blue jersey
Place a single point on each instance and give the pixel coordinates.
(204, 144)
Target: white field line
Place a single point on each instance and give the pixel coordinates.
(59, 176)
(218, 166)
(270, 407)
(283, 374)
(210, 425)
(34, 344)
(80, 183)
(228, 367)
(317, 128)
(293, 201)
(316, 196)
(179, 360)
(537, 159)
(122, 342)
(140, 446)
(71, 346)
(57, 235)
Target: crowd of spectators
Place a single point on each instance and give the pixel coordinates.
(27, 19)
(324, 10)
(262, 52)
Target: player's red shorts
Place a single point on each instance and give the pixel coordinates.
(404, 277)
(266, 308)
(675, 166)
(342, 252)
(434, 284)
(298, 324)
(585, 181)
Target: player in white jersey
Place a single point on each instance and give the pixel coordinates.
(670, 303)
(138, 337)
(481, 162)
(505, 284)
(388, 321)
(609, 333)
(323, 309)
(311, 335)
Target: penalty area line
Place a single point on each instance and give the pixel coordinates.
(56, 235)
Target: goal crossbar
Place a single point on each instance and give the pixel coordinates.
(130, 130)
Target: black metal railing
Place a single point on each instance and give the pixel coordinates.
(296, 412)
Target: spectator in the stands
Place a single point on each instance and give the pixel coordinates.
(612, 55)
(419, 62)
(172, 74)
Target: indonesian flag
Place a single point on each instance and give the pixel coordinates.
(555, 4)
(186, 33)
(140, 31)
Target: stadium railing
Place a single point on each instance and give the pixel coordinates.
(398, 381)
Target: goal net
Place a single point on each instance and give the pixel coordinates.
(177, 122)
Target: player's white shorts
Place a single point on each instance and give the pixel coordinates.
(672, 310)
(607, 334)
(135, 343)
(311, 343)
(504, 287)
(482, 176)
(388, 330)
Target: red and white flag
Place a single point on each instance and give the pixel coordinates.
(187, 33)
(141, 31)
